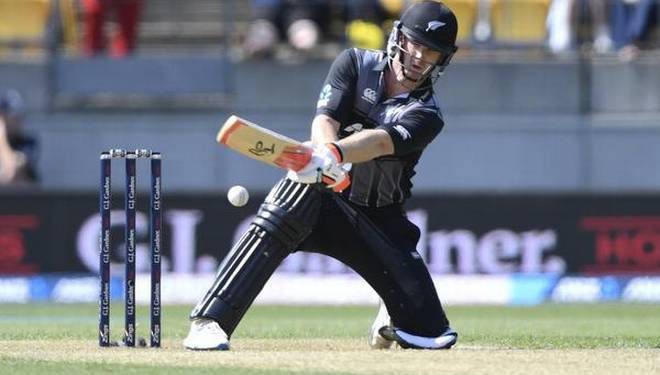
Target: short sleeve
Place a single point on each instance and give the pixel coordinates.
(414, 130)
(338, 92)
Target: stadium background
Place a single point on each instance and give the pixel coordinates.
(543, 186)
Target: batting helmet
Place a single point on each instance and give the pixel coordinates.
(431, 24)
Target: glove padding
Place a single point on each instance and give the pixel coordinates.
(323, 167)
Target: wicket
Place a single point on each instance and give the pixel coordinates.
(155, 227)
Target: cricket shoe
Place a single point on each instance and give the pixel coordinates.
(206, 334)
(409, 341)
(376, 341)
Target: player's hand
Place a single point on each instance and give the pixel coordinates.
(324, 167)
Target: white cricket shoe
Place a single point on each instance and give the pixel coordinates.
(206, 334)
(409, 341)
(376, 341)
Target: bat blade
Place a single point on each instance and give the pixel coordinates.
(263, 144)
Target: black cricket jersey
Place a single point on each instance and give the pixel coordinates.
(354, 95)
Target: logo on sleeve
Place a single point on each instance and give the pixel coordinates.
(433, 25)
(324, 97)
(403, 132)
(369, 95)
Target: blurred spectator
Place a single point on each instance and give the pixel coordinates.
(17, 149)
(630, 24)
(95, 14)
(301, 22)
(558, 23)
(483, 29)
(601, 31)
(368, 21)
(563, 15)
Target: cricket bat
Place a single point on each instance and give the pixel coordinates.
(263, 144)
(269, 147)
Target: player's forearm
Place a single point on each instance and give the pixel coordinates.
(359, 147)
(366, 145)
(324, 130)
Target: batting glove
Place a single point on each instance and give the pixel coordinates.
(324, 167)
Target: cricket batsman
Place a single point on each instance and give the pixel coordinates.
(377, 112)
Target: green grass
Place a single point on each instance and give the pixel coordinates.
(56, 338)
(39, 367)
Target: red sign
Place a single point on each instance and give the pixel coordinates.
(624, 243)
(12, 243)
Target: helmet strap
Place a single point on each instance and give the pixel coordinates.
(433, 72)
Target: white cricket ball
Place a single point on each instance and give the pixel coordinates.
(238, 195)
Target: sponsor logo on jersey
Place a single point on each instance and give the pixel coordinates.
(369, 95)
(324, 97)
(354, 128)
(403, 132)
(433, 25)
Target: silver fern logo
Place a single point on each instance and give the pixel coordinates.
(433, 25)
(393, 113)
